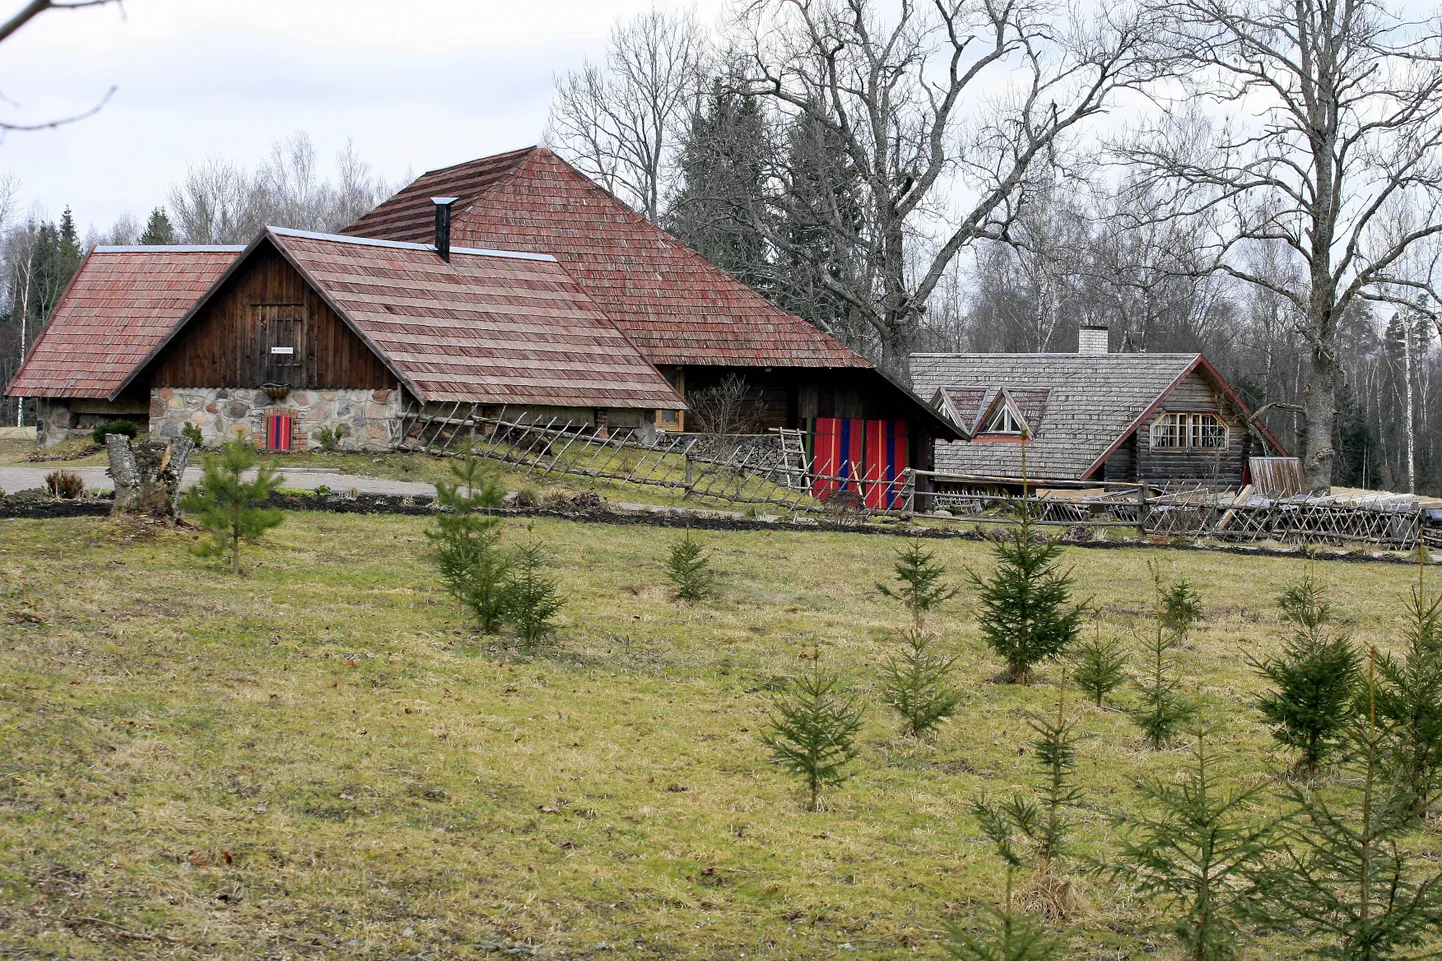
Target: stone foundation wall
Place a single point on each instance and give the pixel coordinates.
(59, 419)
(368, 419)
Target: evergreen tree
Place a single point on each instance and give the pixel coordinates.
(916, 683)
(1164, 710)
(813, 729)
(158, 229)
(1409, 701)
(689, 568)
(1197, 849)
(921, 587)
(1100, 667)
(465, 542)
(532, 601)
(1314, 680)
(1348, 888)
(722, 166)
(1010, 935)
(229, 506)
(1026, 612)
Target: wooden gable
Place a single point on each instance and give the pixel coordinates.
(267, 325)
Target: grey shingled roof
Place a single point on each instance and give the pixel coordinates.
(1091, 402)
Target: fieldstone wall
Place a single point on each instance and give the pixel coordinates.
(369, 419)
(53, 421)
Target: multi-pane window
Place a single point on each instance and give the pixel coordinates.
(1004, 421)
(1182, 431)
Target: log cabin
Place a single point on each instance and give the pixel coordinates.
(1091, 416)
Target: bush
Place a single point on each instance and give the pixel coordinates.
(193, 432)
(64, 484)
(126, 427)
(229, 506)
(689, 568)
(330, 438)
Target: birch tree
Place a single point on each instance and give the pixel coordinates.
(1313, 118)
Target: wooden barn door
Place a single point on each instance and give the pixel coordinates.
(282, 344)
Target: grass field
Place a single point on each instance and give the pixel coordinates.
(317, 760)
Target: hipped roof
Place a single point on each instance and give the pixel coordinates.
(675, 306)
(487, 327)
(119, 306)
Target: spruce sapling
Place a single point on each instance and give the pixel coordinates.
(1197, 849)
(689, 568)
(1101, 667)
(465, 542)
(1348, 886)
(1164, 710)
(916, 683)
(813, 730)
(1314, 680)
(229, 506)
(532, 601)
(1026, 612)
(920, 587)
(1409, 700)
(1010, 935)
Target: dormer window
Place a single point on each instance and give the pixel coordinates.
(1005, 420)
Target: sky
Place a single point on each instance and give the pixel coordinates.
(416, 84)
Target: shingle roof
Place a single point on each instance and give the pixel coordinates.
(1091, 402)
(673, 304)
(118, 307)
(487, 327)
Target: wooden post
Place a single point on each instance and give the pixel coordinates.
(1142, 511)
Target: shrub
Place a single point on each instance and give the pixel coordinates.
(228, 506)
(330, 438)
(916, 683)
(531, 599)
(1100, 668)
(465, 542)
(813, 729)
(1314, 680)
(64, 484)
(126, 427)
(689, 568)
(193, 432)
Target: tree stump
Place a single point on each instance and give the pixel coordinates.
(147, 476)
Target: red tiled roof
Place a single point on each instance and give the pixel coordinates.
(118, 308)
(487, 327)
(672, 303)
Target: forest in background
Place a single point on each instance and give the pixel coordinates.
(856, 163)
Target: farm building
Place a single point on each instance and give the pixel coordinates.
(695, 323)
(301, 333)
(1091, 416)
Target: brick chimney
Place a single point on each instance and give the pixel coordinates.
(1092, 339)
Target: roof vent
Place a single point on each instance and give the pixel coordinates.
(1091, 339)
(443, 226)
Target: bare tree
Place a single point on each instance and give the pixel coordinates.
(29, 12)
(212, 204)
(620, 122)
(946, 110)
(1332, 117)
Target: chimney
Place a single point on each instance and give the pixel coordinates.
(443, 226)
(1092, 339)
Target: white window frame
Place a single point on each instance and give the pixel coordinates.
(1190, 430)
(1005, 421)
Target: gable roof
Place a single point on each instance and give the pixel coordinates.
(487, 327)
(118, 307)
(672, 303)
(1080, 407)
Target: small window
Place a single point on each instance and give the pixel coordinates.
(673, 419)
(1004, 421)
(1188, 431)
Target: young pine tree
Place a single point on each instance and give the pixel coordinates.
(916, 683)
(921, 586)
(532, 600)
(1314, 680)
(466, 542)
(1197, 848)
(1348, 887)
(1026, 612)
(1011, 934)
(689, 568)
(229, 506)
(1164, 710)
(813, 730)
(1409, 701)
(1101, 667)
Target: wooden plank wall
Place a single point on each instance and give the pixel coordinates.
(222, 346)
(1195, 394)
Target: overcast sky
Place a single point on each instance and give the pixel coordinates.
(416, 84)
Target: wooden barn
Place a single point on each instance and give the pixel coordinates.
(1091, 416)
(304, 333)
(692, 321)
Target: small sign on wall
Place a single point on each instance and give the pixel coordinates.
(282, 350)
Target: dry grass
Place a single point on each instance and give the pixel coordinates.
(315, 760)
